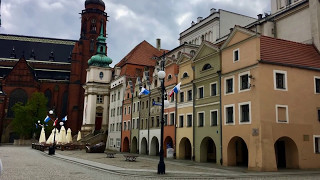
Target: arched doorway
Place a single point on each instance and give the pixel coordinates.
(168, 143)
(185, 149)
(144, 146)
(98, 121)
(134, 145)
(154, 149)
(17, 95)
(286, 153)
(125, 146)
(208, 150)
(237, 152)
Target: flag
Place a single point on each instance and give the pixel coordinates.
(55, 122)
(64, 119)
(144, 91)
(47, 119)
(175, 89)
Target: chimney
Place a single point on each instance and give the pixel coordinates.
(158, 44)
(212, 10)
(199, 19)
(192, 23)
(259, 16)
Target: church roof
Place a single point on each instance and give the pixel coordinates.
(39, 46)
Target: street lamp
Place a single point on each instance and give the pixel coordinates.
(162, 75)
(52, 148)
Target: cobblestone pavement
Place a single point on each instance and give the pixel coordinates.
(26, 163)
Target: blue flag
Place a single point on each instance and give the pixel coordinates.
(47, 119)
(64, 119)
(144, 91)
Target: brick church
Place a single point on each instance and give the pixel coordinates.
(56, 67)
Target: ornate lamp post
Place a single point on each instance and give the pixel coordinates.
(165, 103)
(52, 148)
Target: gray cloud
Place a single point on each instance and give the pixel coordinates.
(130, 22)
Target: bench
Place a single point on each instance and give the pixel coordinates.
(110, 154)
(130, 158)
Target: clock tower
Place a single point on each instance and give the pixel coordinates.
(97, 87)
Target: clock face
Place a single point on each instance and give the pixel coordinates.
(101, 75)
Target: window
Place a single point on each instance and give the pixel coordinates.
(129, 110)
(142, 123)
(189, 120)
(319, 114)
(245, 113)
(282, 114)
(171, 119)
(201, 119)
(244, 81)
(280, 80)
(112, 98)
(316, 139)
(181, 96)
(142, 105)
(192, 52)
(214, 118)
(119, 95)
(185, 75)
(181, 121)
(189, 95)
(206, 67)
(147, 104)
(317, 85)
(128, 96)
(111, 142)
(165, 119)
(158, 121)
(124, 126)
(129, 125)
(229, 85)
(213, 89)
(138, 106)
(138, 123)
(155, 83)
(134, 107)
(169, 76)
(99, 99)
(125, 110)
(236, 55)
(118, 142)
(229, 114)
(115, 97)
(201, 92)
(152, 121)
(133, 123)
(172, 98)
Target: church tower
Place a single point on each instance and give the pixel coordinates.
(93, 23)
(97, 87)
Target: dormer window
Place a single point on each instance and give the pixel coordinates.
(185, 75)
(169, 76)
(206, 67)
(192, 52)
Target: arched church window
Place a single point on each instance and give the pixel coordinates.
(64, 104)
(192, 52)
(185, 75)
(48, 95)
(91, 45)
(17, 95)
(206, 66)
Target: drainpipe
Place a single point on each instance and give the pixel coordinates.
(149, 119)
(219, 73)
(121, 128)
(175, 124)
(139, 122)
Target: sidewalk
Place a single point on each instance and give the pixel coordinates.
(146, 166)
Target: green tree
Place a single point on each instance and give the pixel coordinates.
(25, 116)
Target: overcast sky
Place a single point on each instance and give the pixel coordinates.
(130, 21)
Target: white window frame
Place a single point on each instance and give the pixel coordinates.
(315, 84)
(174, 118)
(239, 81)
(285, 80)
(191, 120)
(179, 121)
(118, 143)
(225, 114)
(225, 85)
(216, 89)
(234, 56)
(111, 142)
(239, 109)
(217, 116)
(204, 119)
(314, 143)
(199, 92)
(287, 113)
(99, 99)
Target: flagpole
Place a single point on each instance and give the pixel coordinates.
(52, 148)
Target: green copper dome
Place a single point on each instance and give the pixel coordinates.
(100, 59)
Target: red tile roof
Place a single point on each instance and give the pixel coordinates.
(141, 55)
(283, 52)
